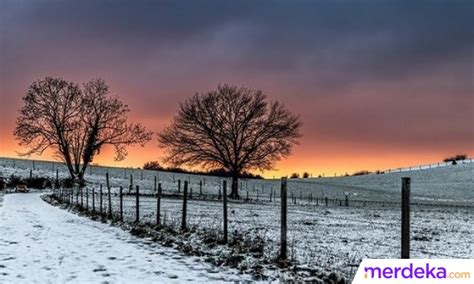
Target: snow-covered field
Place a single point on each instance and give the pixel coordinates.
(44, 244)
(443, 184)
(336, 238)
(333, 237)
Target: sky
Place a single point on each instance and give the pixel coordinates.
(378, 84)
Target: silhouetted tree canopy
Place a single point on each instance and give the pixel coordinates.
(153, 166)
(76, 122)
(453, 159)
(231, 128)
(295, 175)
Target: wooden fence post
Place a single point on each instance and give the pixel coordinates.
(346, 201)
(158, 204)
(121, 203)
(284, 227)
(82, 200)
(185, 196)
(87, 198)
(179, 186)
(100, 200)
(110, 202)
(131, 184)
(224, 190)
(200, 187)
(405, 217)
(108, 194)
(137, 205)
(93, 200)
(154, 185)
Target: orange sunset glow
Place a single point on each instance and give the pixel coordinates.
(373, 93)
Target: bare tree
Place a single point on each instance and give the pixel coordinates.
(76, 123)
(233, 128)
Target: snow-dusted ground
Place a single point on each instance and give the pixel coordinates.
(44, 244)
(444, 184)
(333, 237)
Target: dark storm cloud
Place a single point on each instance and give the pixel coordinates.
(353, 66)
(377, 37)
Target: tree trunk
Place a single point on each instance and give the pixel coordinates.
(235, 186)
(71, 171)
(80, 179)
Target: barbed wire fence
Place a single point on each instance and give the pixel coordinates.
(315, 225)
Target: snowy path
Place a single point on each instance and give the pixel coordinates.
(40, 243)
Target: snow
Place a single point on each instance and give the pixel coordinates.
(44, 244)
(333, 237)
(443, 184)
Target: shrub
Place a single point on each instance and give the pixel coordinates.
(459, 157)
(34, 182)
(361, 173)
(294, 175)
(14, 181)
(153, 166)
(2, 183)
(305, 175)
(39, 182)
(67, 183)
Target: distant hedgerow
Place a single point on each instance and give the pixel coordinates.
(453, 159)
(361, 173)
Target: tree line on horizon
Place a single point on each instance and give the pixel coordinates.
(229, 131)
(220, 172)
